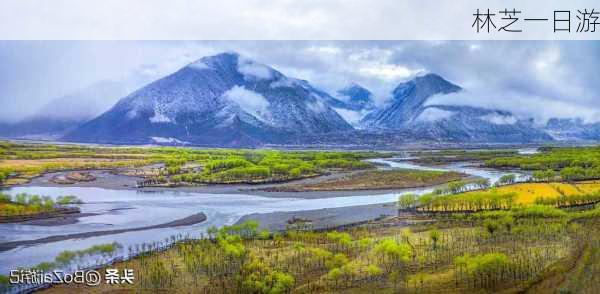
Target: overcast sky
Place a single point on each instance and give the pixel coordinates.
(538, 79)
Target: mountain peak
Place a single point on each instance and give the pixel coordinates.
(435, 79)
(429, 76)
(352, 85)
(230, 56)
(356, 97)
(221, 60)
(408, 101)
(428, 84)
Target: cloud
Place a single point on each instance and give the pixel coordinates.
(316, 106)
(199, 65)
(387, 71)
(159, 118)
(499, 119)
(250, 101)
(522, 105)
(351, 116)
(432, 114)
(325, 49)
(284, 82)
(253, 70)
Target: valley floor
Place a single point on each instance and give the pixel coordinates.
(309, 188)
(391, 255)
(440, 242)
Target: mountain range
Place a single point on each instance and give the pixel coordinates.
(229, 100)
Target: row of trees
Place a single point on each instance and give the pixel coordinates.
(456, 187)
(472, 201)
(23, 203)
(566, 174)
(569, 200)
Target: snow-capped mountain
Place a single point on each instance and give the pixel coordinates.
(408, 102)
(409, 110)
(224, 100)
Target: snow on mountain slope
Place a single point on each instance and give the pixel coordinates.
(220, 100)
(408, 101)
(409, 111)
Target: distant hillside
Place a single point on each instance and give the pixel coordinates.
(409, 110)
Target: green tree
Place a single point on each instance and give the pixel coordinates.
(506, 180)
(407, 201)
(434, 235)
(392, 252)
(572, 173)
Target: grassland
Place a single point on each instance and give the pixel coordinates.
(380, 179)
(162, 166)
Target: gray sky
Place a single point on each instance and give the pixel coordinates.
(540, 79)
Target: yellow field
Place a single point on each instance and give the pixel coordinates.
(528, 192)
(567, 189)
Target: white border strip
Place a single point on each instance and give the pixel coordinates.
(275, 20)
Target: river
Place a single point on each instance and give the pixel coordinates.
(121, 209)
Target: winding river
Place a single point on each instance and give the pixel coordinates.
(122, 209)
